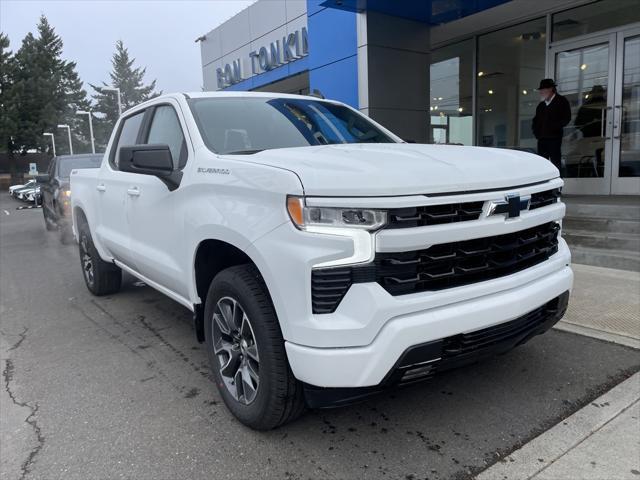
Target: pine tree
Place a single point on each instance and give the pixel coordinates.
(130, 81)
(7, 118)
(45, 91)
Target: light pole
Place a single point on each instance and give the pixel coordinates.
(93, 144)
(117, 90)
(53, 141)
(69, 134)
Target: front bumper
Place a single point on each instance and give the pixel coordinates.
(370, 364)
(423, 361)
(358, 344)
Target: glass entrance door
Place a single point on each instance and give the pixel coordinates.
(626, 118)
(582, 72)
(600, 76)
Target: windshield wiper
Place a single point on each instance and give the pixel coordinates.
(243, 152)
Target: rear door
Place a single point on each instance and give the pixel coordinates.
(157, 236)
(112, 193)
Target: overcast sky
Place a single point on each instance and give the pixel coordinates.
(159, 34)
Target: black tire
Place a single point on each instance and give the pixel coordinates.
(102, 278)
(47, 223)
(66, 235)
(278, 397)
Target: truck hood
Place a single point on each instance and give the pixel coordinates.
(405, 169)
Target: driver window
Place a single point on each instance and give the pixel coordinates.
(128, 135)
(165, 128)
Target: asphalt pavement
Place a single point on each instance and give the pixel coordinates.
(118, 387)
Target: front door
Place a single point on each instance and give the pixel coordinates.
(157, 240)
(112, 186)
(600, 76)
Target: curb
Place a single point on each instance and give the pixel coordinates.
(544, 450)
(599, 334)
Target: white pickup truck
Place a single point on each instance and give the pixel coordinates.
(324, 259)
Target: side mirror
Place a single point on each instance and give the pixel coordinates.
(153, 160)
(44, 178)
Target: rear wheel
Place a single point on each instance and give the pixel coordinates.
(101, 278)
(246, 351)
(49, 225)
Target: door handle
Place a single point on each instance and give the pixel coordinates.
(605, 115)
(617, 121)
(133, 192)
(101, 187)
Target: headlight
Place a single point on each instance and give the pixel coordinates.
(67, 193)
(305, 217)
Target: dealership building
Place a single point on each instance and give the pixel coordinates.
(454, 71)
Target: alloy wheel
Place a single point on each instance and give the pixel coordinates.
(235, 347)
(87, 261)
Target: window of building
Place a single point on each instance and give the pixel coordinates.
(165, 129)
(594, 17)
(451, 93)
(511, 63)
(128, 135)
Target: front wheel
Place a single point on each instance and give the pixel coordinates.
(101, 278)
(246, 351)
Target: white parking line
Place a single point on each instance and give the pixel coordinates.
(6, 212)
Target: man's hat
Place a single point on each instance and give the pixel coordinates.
(547, 83)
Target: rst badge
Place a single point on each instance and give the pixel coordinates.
(511, 206)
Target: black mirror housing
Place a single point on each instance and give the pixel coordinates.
(44, 178)
(154, 159)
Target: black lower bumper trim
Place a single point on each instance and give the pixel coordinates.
(423, 361)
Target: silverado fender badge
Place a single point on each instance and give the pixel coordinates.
(511, 206)
(219, 171)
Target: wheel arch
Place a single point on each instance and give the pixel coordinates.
(210, 257)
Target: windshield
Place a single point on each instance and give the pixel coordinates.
(248, 125)
(68, 164)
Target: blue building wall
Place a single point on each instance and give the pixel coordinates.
(333, 48)
(332, 60)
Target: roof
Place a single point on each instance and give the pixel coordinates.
(80, 155)
(223, 94)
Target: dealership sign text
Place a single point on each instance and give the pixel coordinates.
(292, 47)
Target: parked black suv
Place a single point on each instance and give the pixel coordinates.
(55, 191)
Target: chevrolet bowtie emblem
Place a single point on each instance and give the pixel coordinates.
(511, 206)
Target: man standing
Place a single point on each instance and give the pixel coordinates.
(552, 115)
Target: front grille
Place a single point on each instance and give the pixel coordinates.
(542, 199)
(434, 214)
(423, 216)
(438, 267)
(461, 263)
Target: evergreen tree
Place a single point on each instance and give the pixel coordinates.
(45, 91)
(7, 119)
(130, 81)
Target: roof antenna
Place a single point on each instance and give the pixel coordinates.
(317, 93)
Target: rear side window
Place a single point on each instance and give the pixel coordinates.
(73, 163)
(128, 135)
(165, 129)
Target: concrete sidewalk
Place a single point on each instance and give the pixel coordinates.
(599, 442)
(605, 304)
(602, 440)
